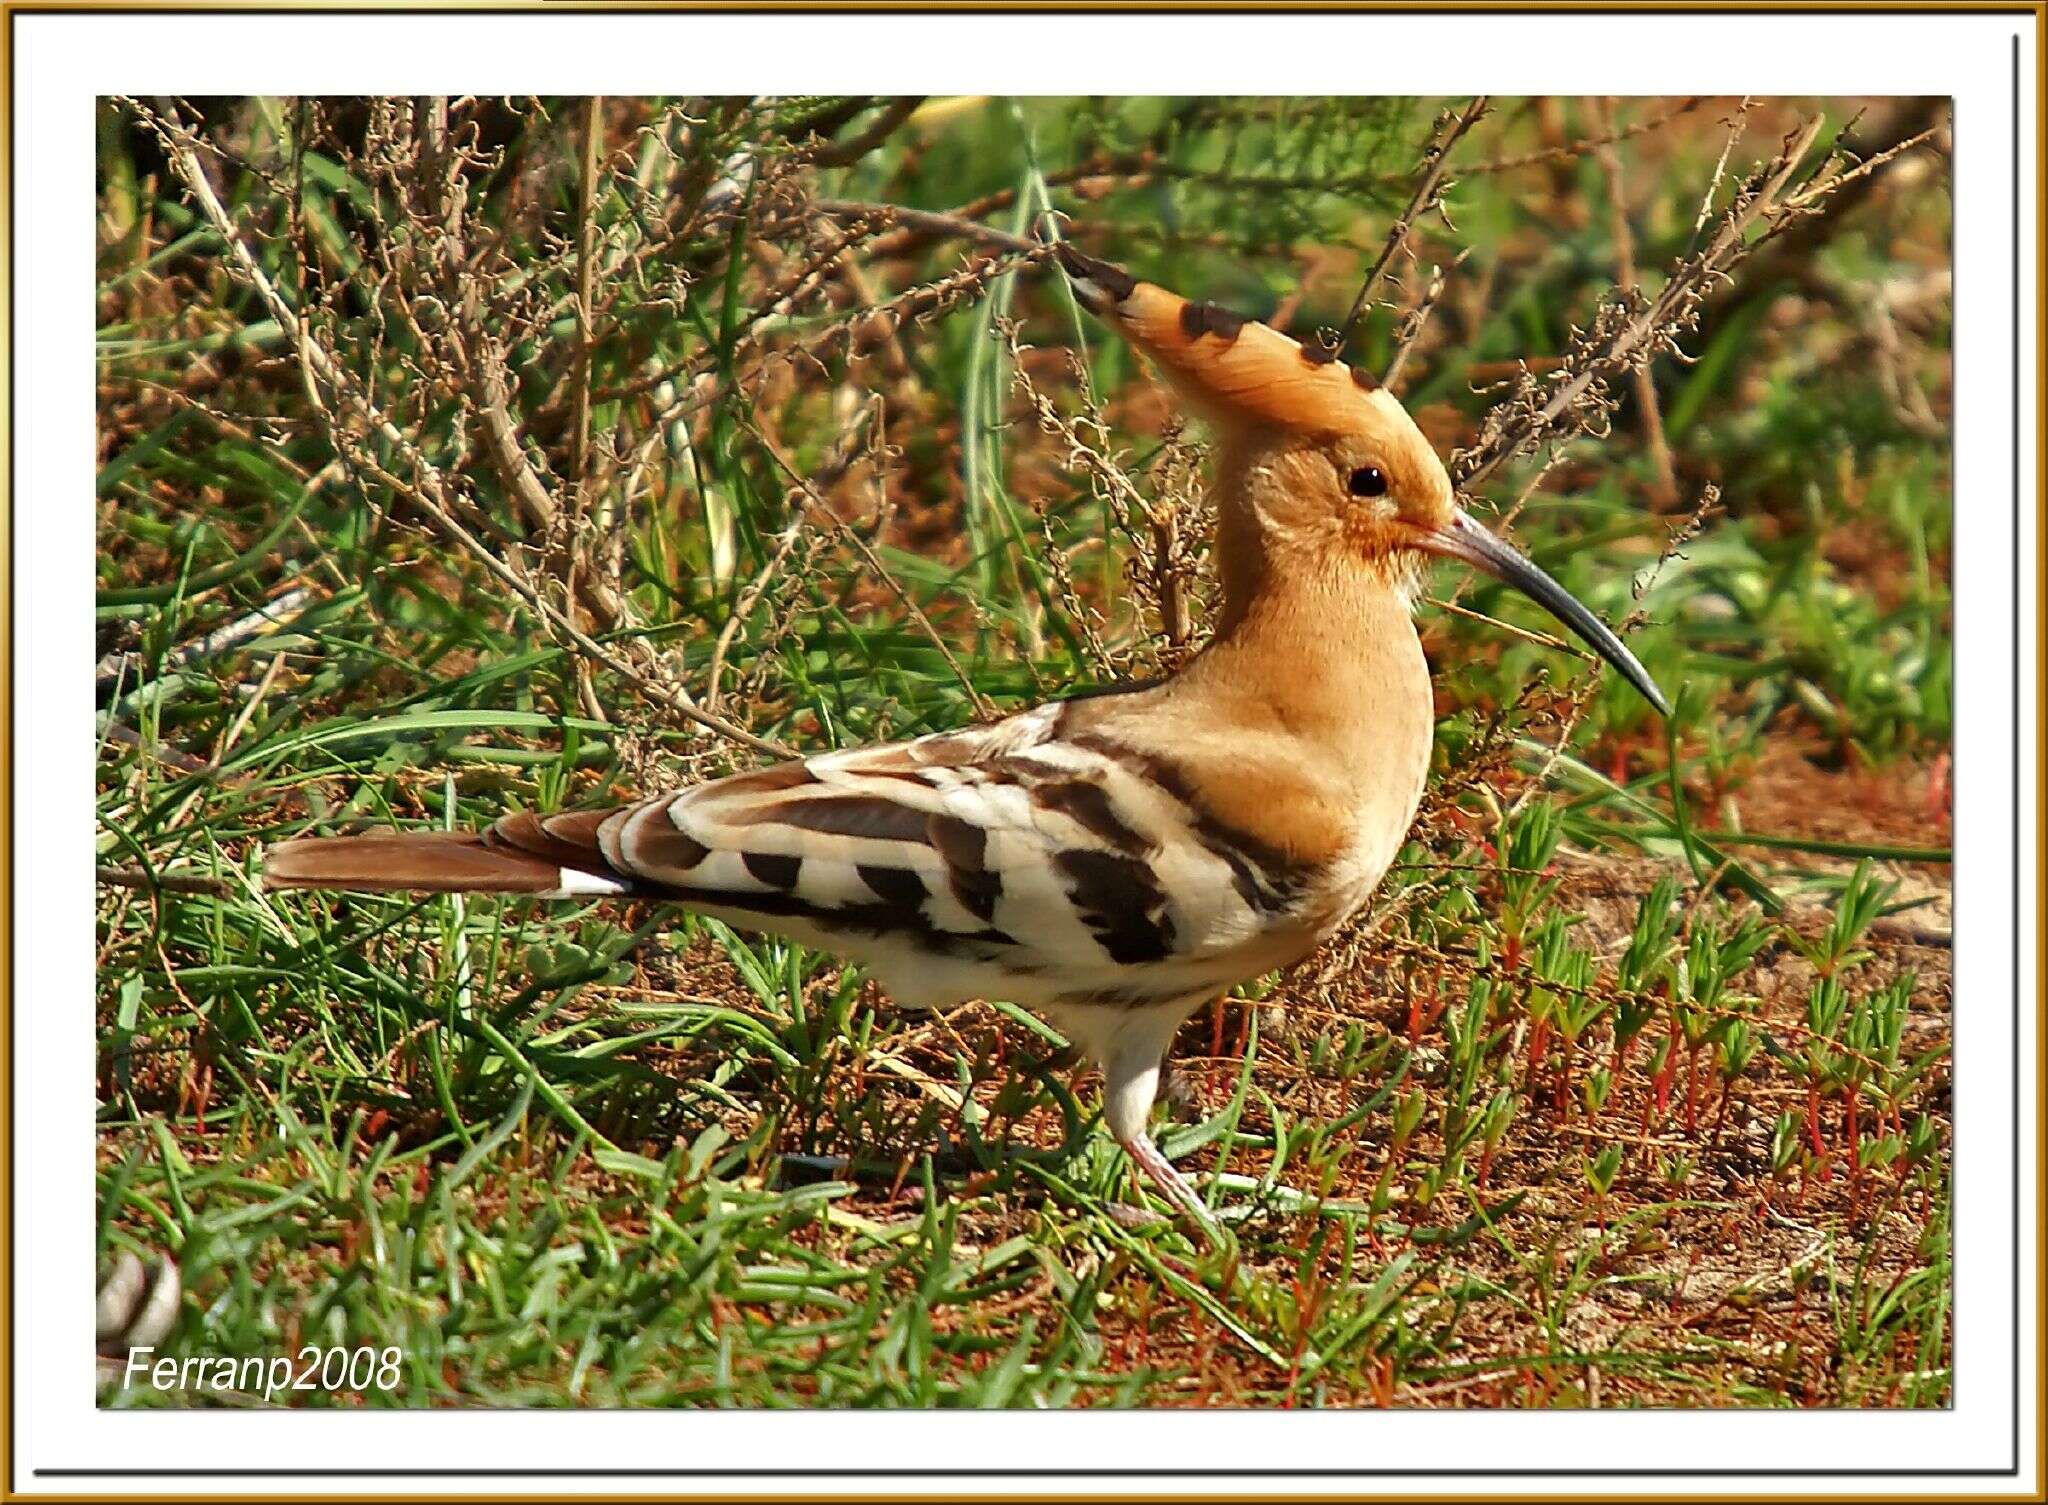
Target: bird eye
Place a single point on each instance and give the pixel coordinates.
(1368, 481)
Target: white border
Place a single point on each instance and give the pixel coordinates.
(63, 61)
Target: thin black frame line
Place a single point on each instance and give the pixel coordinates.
(2016, 702)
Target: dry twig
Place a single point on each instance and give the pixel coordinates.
(983, 709)
(1436, 157)
(1575, 149)
(1665, 483)
(1628, 332)
(1410, 331)
(425, 489)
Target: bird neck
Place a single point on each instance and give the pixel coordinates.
(1243, 555)
(1330, 652)
(1314, 640)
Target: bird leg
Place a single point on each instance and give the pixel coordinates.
(1129, 1083)
(1150, 1159)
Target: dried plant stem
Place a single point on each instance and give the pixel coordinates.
(1735, 125)
(841, 459)
(479, 356)
(862, 327)
(1125, 169)
(983, 707)
(182, 146)
(1412, 326)
(1526, 634)
(1161, 568)
(586, 268)
(1664, 488)
(265, 619)
(885, 125)
(1436, 157)
(928, 223)
(785, 545)
(1515, 427)
(1580, 148)
(573, 543)
(163, 883)
(425, 489)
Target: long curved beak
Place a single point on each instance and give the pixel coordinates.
(1462, 538)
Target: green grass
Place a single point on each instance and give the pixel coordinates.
(1565, 1122)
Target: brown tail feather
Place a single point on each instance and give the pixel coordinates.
(568, 841)
(414, 861)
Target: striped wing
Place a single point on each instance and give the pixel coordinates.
(1004, 861)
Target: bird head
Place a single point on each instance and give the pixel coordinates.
(1317, 465)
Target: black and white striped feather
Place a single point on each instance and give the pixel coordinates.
(1036, 860)
(1003, 861)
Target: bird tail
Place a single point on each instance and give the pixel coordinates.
(552, 856)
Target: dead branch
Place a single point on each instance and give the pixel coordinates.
(1665, 484)
(1627, 332)
(162, 883)
(845, 452)
(586, 256)
(265, 619)
(425, 488)
(885, 125)
(1411, 327)
(927, 223)
(1436, 157)
(1576, 149)
(983, 709)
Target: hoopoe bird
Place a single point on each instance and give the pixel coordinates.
(1115, 860)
